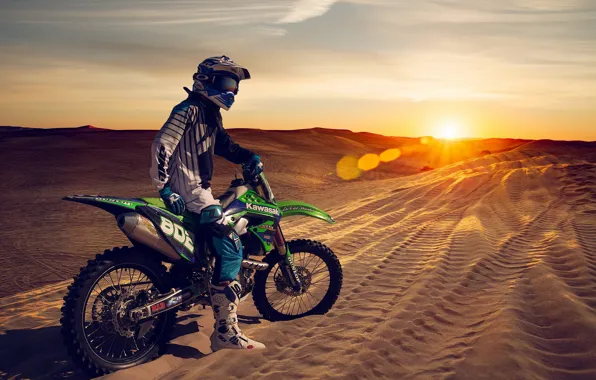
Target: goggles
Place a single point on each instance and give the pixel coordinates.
(225, 84)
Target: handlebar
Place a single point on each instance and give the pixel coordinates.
(258, 182)
(247, 175)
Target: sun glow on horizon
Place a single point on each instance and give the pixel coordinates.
(449, 130)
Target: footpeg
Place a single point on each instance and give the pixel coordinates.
(254, 264)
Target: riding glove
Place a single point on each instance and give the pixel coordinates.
(174, 202)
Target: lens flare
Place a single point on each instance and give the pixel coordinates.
(390, 155)
(347, 168)
(368, 161)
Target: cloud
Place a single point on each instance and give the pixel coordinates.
(271, 31)
(302, 10)
(137, 12)
(519, 52)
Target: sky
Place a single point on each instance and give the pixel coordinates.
(473, 68)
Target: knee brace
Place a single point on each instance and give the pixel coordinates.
(223, 242)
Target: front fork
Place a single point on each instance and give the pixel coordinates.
(288, 269)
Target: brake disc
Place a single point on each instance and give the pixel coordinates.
(282, 285)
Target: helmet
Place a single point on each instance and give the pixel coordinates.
(217, 79)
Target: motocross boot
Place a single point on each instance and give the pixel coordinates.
(226, 333)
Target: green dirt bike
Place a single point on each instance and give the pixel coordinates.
(121, 308)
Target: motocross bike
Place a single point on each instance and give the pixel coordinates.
(121, 308)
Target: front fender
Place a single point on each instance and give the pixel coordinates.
(293, 208)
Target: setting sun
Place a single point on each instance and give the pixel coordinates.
(449, 130)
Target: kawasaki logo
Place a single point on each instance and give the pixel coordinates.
(269, 210)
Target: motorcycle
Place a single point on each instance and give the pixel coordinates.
(120, 310)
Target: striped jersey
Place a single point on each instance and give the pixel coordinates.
(182, 151)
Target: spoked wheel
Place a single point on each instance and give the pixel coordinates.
(319, 272)
(96, 326)
(108, 329)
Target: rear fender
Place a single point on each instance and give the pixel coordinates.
(176, 230)
(294, 208)
(113, 205)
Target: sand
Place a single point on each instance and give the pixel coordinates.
(481, 269)
(48, 239)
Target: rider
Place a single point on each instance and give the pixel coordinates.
(182, 165)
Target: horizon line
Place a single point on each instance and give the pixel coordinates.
(98, 129)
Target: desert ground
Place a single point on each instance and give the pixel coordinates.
(483, 268)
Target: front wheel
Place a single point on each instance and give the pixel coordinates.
(320, 273)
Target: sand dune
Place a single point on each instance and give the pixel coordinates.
(49, 239)
(482, 269)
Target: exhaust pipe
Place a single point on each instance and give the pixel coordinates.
(140, 229)
(253, 264)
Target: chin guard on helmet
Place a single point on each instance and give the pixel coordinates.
(208, 80)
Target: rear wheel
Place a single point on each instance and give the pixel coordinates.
(321, 276)
(96, 328)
